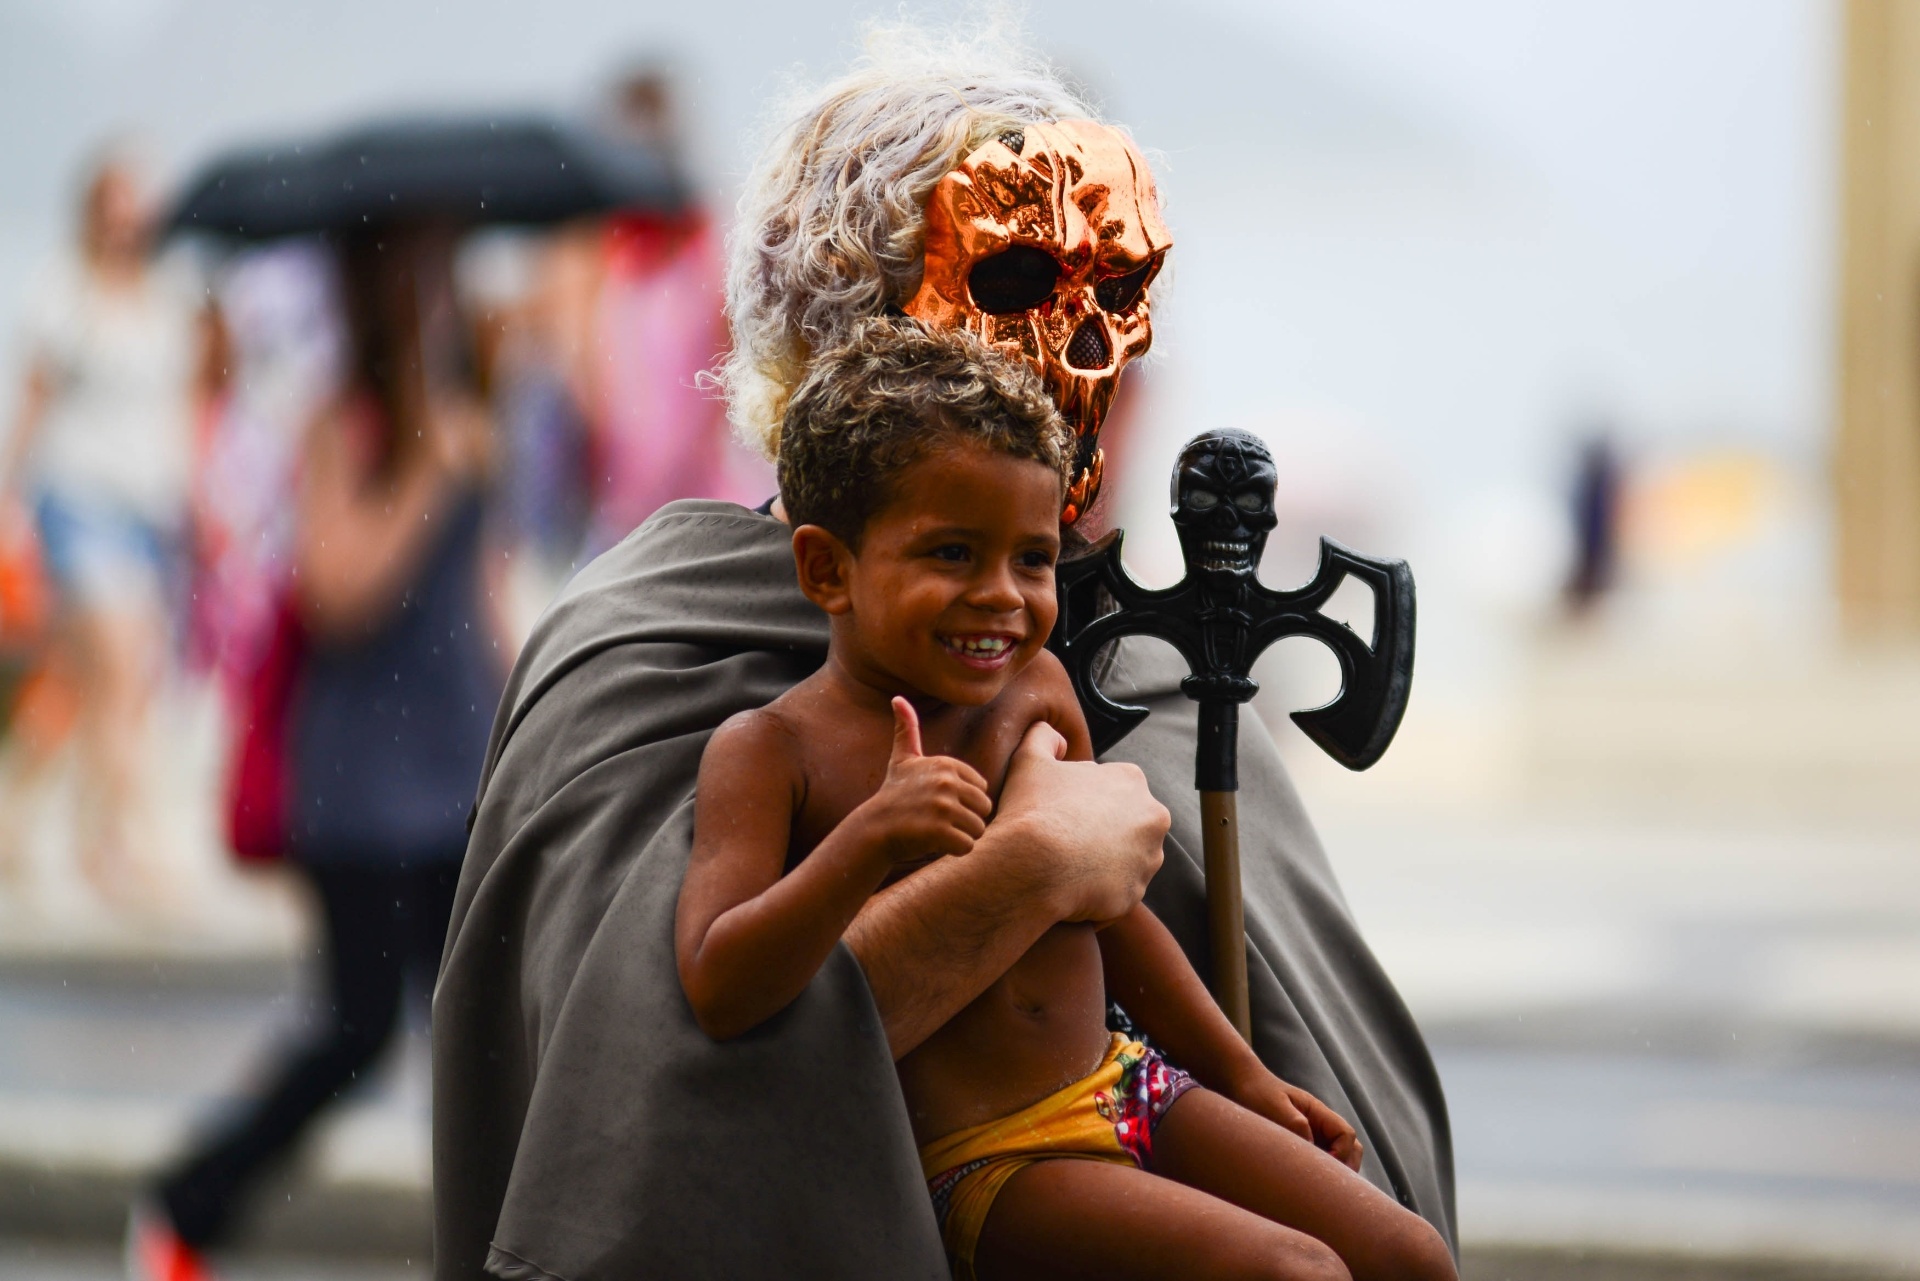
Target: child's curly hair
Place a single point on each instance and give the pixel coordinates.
(895, 391)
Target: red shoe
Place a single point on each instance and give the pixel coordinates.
(155, 1251)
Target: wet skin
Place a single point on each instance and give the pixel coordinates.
(951, 607)
(890, 757)
(947, 603)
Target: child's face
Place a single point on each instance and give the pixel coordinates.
(951, 593)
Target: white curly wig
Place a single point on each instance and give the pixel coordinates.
(831, 223)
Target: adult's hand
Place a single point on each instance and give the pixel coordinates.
(1095, 831)
(1073, 841)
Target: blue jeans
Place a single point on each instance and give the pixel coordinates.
(100, 554)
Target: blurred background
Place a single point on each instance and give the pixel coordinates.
(1603, 316)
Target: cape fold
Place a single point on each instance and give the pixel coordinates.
(585, 1129)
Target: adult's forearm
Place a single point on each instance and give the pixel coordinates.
(933, 942)
(1074, 841)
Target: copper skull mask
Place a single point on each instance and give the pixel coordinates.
(1043, 242)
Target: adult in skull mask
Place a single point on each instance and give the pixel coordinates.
(584, 1126)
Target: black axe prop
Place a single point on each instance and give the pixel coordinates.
(1221, 618)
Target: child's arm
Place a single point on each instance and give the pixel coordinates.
(1149, 975)
(748, 939)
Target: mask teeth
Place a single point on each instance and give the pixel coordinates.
(1223, 556)
(1086, 486)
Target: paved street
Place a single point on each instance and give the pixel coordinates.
(50, 1261)
(1663, 1036)
(112, 1064)
(1787, 1158)
(1653, 1040)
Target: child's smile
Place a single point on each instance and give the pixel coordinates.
(986, 652)
(951, 593)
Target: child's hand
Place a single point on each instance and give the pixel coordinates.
(929, 805)
(1292, 1108)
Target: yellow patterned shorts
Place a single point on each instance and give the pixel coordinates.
(1109, 1115)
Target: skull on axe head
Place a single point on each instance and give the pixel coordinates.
(1221, 618)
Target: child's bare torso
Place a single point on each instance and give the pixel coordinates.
(1042, 1024)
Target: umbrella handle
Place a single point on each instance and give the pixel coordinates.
(1226, 912)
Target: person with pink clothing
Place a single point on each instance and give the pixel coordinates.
(661, 434)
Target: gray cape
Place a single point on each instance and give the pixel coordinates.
(585, 1129)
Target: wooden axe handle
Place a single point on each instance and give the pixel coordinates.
(1226, 913)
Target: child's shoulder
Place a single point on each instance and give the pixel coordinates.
(1045, 677)
(1041, 692)
(1044, 692)
(759, 732)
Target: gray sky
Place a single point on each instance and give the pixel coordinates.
(1430, 235)
(1456, 222)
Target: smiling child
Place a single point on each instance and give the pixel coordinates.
(924, 477)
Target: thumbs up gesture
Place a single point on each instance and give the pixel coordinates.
(929, 805)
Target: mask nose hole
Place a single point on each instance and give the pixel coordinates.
(1088, 349)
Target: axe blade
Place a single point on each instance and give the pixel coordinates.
(1088, 587)
(1375, 680)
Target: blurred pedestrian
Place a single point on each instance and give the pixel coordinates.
(1595, 504)
(519, 315)
(391, 707)
(282, 327)
(100, 453)
(659, 325)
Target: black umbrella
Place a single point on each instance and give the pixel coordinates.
(468, 171)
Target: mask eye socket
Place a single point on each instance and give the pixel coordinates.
(1202, 500)
(1250, 500)
(1018, 278)
(1121, 293)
